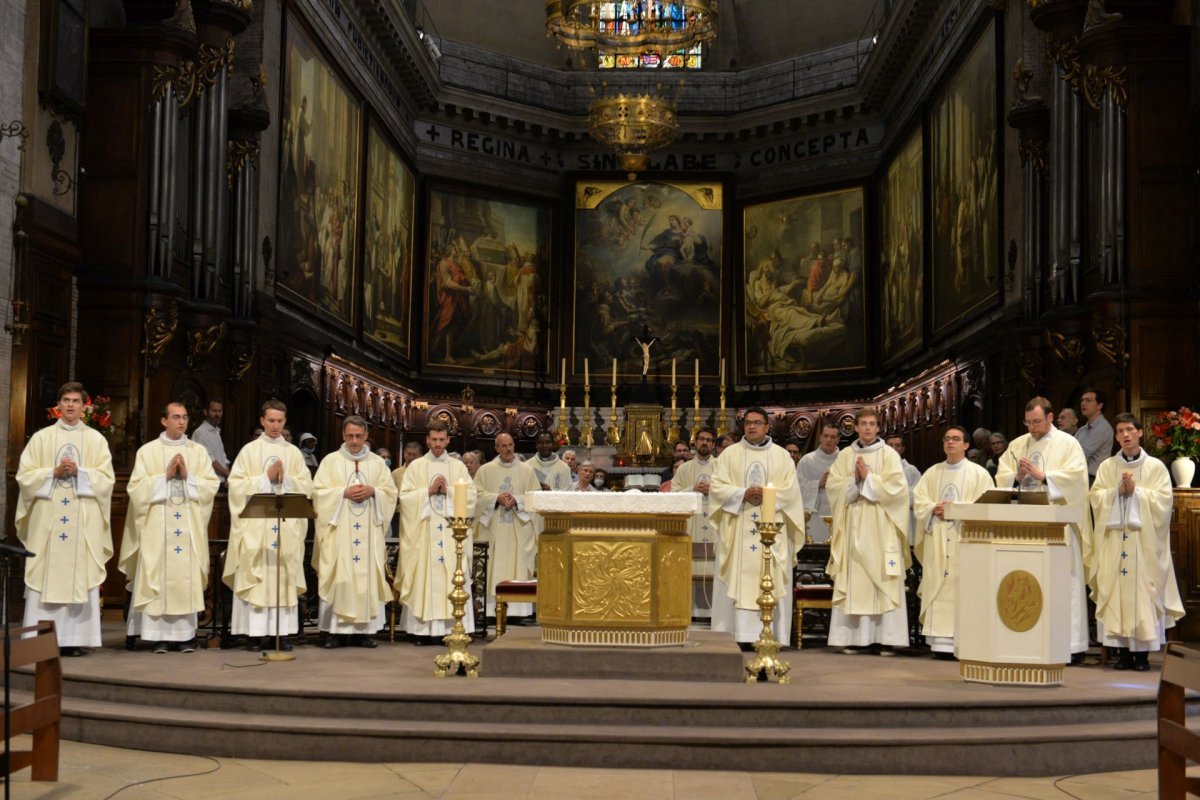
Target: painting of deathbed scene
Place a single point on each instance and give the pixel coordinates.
(648, 263)
(486, 295)
(803, 263)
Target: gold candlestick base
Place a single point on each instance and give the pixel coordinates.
(457, 661)
(767, 665)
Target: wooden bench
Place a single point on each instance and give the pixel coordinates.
(41, 717)
(512, 592)
(1176, 744)
(808, 595)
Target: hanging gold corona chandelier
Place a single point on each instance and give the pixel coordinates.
(632, 124)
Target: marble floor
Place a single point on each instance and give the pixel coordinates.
(93, 772)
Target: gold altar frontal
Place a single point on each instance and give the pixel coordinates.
(614, 578)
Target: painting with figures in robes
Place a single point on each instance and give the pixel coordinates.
(487, 283)
(965, 180)
(648, 262)
(901, 250)
(803, 285)
(318, 181)
(387, 253)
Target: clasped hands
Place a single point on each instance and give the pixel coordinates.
(702, 487)
(1027, 468)
(66, 469)
(359, 492)
(753, 496)
(177, 468)
(438, 486)
(1126, 486)
(506, 500)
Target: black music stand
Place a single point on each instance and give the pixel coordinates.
(278, 507)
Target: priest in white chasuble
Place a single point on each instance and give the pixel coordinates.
(1046, 459)
(868, 542)
(552, 472)
(425, 577)
(267, 464)
(355, 497)
(955, 480)
(164, 550)
(1136, 595)
(65, 482)
(695, 475)
(503, 486)
(812, 472)
(747, 472)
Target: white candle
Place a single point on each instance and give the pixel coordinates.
(672, 372)
(614, 373)
(460, 499)
(768, 503)
(697, 372)
(585, 371)
(564, 373)
(722, 372)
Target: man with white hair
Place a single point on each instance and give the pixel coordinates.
(572, 461)
(503, 486)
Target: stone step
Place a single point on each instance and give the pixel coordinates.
(869, 749)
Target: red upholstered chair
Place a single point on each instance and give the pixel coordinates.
(512, 592)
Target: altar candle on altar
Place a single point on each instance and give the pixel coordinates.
(460, 499)
(697, 372)
(614, 375)
(722, 372)
(564, 374)
(585, 371)
(672, 372)
(768, 503)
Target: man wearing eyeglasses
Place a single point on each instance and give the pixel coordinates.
(736, 499)
(164, 552)
(955, 480)
(868, 543)
(1046, 459)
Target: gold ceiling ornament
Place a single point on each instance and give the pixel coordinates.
(631, 28)
(633, 125)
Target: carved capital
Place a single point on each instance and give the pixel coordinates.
(1067, 351)
(237, 152)
(1111, 341)
(202, 342)
(161, 325)
(1034, 149)
(190, 78)
(1098, 80)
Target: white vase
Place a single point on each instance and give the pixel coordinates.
(1183, 470)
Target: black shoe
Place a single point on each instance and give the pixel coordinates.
(362, 640)
(285, 646)
(746, 647)
(131, 642)
(70, 652)
(188, 646)
(254, 644)
(422, 641)
(1077, 659)
(160, 647)
(331, 642)
(1141, 662)
(945, 656)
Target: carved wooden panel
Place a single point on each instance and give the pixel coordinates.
(1185, 552)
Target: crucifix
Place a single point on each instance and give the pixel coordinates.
(645, 345)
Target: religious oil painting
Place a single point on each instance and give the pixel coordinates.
(387, 255)
(648, 260)
(487, 284)
(965, 178)
(318, 183)
(901, 250)
(803, 285)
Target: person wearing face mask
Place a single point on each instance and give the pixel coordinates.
(868, 543)
(308, 446)
(386, 456)
(600, 481)
(503, 485)
(164, 551)
(736, 491)
(427, 546)
(65, 479)
(264, 465)
(355, 498)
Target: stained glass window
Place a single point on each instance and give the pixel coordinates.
(631, 18)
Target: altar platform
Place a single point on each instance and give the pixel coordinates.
(842, 714)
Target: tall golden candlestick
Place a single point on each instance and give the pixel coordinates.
(696, 407)
(673, 419)
(767, 665)
(614, 433)
(562, 433)
(586, 439)
(457, 661)
(722, 427)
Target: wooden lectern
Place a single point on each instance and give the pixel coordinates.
(1014, 591)
(278, 506)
